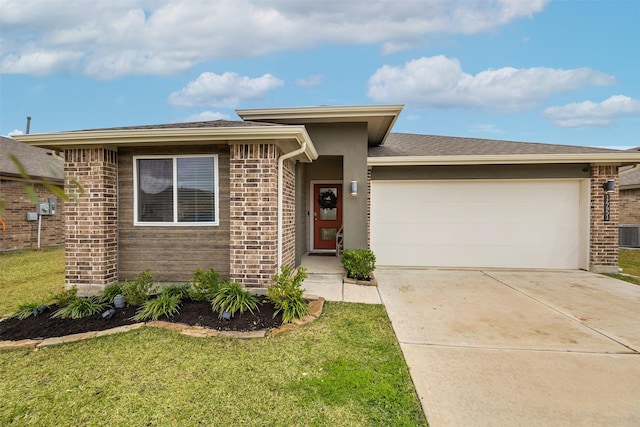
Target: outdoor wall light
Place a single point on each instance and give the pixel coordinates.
(609, 186)
(354, 188)
(108, 314)
(226, 315)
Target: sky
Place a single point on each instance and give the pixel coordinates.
(552, 71)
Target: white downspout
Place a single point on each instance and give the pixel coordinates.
(281, 160)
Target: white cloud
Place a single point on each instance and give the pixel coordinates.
(310, 81)
(223, 90)
(40, 63)
(588, 113)
(110, 39)
(439, 81)
(206, 116)
(16, 132)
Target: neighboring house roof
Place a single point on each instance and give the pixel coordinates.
(38, 163)
(630, 175)
(404, 148)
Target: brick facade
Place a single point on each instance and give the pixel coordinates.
(630, 206)
(91, 223)
(604, 234)
(253, 198)
(289, 214)
(20, 233)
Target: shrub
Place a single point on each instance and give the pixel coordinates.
(65, 297)
(231, 297)
(286, 293)
(359, 263)
(80, 307)
(204, 285)
(29, 309)
(167, 303)
(137, 292)
(181, 291)
(109, 293)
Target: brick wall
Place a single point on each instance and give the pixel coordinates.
(20, 233)
(604, 234)
(91, 246)
(289, 214)
(630, 206)
(253, 198)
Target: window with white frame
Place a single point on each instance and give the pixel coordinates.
(176, 190)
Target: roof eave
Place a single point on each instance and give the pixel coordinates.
(175, 136)
(380, 119)
(622, 158)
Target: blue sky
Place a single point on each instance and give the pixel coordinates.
(564, 72)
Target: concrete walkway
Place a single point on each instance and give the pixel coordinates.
(325, 280)
(518, 348)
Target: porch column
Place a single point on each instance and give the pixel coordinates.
(253, 247)
(603, 252)
(91, 223)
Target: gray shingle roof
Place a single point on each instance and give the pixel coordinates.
(406, 144)
(629, 178)
(38, 162)
(189, 125)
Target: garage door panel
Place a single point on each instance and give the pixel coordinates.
(456, 212)
(475, 234)
(472, 191)
(516, 224)
(450, 256)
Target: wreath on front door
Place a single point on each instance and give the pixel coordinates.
(327, 200)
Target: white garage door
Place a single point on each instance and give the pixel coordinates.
(505, 223)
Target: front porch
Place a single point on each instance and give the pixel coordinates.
(325, 280)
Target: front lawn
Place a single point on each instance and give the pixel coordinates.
(29, 276)
(629, 261)
(344, 369)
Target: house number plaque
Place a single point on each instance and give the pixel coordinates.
(607, 206)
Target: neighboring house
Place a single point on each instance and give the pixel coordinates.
(42, 165)
(248, 196)
(630, 193)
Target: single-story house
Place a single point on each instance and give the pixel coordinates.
(244, 197)
(17, 229)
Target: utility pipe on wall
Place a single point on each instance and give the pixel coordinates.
(281, 160)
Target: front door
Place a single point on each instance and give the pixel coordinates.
(327, 215)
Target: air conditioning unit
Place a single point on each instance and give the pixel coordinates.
(629, 236)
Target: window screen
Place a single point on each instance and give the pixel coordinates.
(176, 190)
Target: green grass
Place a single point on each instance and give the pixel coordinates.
(630, 279)
(344, 369)
(30, 276)
(630, 261)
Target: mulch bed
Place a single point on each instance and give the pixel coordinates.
(191, 313)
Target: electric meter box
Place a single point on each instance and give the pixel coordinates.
(49, 207)
(53, 205)
(43, 209)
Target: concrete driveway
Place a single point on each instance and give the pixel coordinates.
(518, 348)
